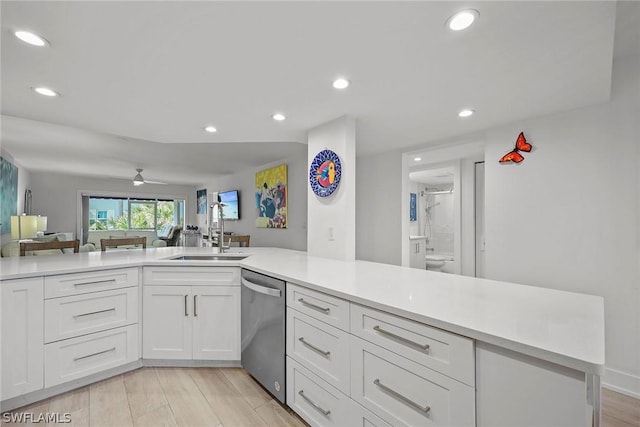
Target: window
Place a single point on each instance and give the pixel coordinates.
(143, 215)
(115, 213)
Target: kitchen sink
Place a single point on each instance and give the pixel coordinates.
(209, 257)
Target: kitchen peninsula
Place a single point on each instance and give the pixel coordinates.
(509, 348)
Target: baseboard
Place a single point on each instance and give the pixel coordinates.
(191, 363)
(622, 382)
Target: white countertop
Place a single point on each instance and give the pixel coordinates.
(561, 327)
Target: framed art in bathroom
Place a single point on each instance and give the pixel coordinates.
(412, 207)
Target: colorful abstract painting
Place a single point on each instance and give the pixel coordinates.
(8, 194)
(271, 197)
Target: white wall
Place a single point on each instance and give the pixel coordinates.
(295, 235)
(567, 217)
(56, 196)
(332, 219)
(380, 205)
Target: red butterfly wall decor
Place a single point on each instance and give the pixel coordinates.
(514, 155)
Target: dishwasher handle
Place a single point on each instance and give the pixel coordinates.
(261, 289)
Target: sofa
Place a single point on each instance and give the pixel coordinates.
(173, 235)
(151, 235)
(12, 249)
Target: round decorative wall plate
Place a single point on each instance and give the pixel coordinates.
(325, 173)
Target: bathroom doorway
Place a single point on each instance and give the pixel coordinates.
(445, 208)
(437, 190)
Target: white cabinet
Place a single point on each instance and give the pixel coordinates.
(442, 351)
(318, 369)
(216, 322)
(317, 402)
(515, 390)
(77, 315)
(22, 336)
(405, 393)
(166, 324)
(417, 252)
(90, 323)
(322, 348)
(191, 313)
(348, 364)
(84, 355)
(90, 281)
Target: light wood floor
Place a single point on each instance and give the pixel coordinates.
(225, 397)
(619, 410)
(154, 397)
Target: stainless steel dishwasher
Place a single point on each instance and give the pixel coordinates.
(263, 330)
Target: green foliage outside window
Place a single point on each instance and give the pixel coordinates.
(145, 215)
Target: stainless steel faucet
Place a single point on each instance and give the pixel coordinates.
(221, 246)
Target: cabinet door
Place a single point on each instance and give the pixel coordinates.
(166, 325)
(216, 322)
(417, 253)
(22, 336)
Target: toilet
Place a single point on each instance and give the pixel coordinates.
(434, 262)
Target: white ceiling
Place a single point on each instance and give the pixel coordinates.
(140, 80)
(435, 176)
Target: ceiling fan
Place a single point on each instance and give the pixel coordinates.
(139, 180)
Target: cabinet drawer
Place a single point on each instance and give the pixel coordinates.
(76, 315)
(314, 400)
(320, 347)
(329, 309)
(191, 276)
(365, 418)
(448, 353)
(82, 283)
(78, 357)
(406, 393)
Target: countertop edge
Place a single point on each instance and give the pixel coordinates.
(594, 364)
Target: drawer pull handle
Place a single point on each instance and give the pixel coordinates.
(313, 347)
(75, 316)
(94, 354)
(314, 404)
(195, 306)
(401, 398)
(424, 347)
(95, 282)
(186, 311)
(315, 307)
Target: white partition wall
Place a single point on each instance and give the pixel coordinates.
(332, 220)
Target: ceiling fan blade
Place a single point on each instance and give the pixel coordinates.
(155, 182)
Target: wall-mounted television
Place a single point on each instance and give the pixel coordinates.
(231, 201)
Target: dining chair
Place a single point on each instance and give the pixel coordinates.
(242, 240)
(41, 246)
(125, 241)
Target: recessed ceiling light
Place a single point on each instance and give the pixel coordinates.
(466, 113)
(279, 117)
(462, 19)
(45, 91)
(32, 39)
(417, 159)
(341, 83)
(211, 129)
